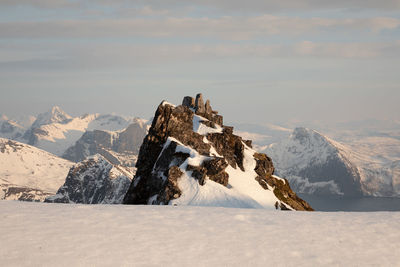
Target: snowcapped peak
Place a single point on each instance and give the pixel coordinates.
(99, 159)
(56, 109)
(304, 146)
(54, 115)
(307, 137)
(302, 132)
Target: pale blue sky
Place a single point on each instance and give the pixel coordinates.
(258, 61)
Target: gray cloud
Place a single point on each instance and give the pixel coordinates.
(42, 3)
(225, 5)
(229, 28)
(120, 56)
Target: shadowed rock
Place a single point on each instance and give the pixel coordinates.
(189, 102)
(200, 108)
(172, 142)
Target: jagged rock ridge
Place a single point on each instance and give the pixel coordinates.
(120, 148)
(94, 181)
(190, 158)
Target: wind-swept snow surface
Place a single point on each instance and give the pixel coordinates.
(38, 234)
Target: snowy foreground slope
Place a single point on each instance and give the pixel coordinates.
(39, 234)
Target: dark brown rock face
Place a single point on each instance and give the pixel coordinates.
(172, 141)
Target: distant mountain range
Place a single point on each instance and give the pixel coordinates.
(360, 159)
(316, 164)
(115, 137)
(37, 153)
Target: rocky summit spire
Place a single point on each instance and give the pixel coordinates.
(190, 158)
(202, 109)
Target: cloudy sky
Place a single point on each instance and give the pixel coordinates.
(257, 60)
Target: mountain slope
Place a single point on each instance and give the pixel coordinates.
(120, 148)
(94, 181)
(55, 131)
(190, 158)
(28, 173)
(10, 129)
(55, 115)
(315, 164)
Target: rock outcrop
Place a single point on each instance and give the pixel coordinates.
(190, 158)
(94, 181)
(120, 148)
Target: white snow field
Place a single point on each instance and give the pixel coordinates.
(40, 234)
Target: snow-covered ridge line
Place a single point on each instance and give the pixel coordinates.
(55, 131)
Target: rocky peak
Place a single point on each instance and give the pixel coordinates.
(199, 108)
(119, 147)
(190, 158)
(94, 181)
(54, 115)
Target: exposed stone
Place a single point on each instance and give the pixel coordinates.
(285, 194)
(215, 170)
(208, 124)
(189, 102)
(248, 143)
(283, 207)
(172, 190)
(208, 110)
(264, 166)
(93, 181)
(160, 166)
(218, 119)
(199, 173)
(262, 182)
(119, 148)
(221, 178)
(228, 129)
(200, 108)
(215, 166)
(228, 145)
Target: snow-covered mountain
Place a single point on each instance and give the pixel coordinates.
(55, 131)
(119, 147)
(58, 136)
(316, 164)
(28, 173)
(55, 115)
(11, 129)
(190, 158)
(94, 181)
